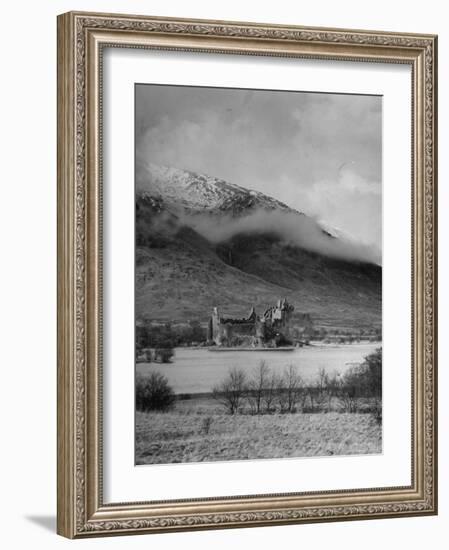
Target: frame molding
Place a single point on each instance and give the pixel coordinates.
(81, 37)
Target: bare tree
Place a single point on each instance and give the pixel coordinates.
(349, 399)
(257, 387)
(322, 380)
(289, 390)
(333, 388)
(321, 389)
(363, 381)
(231, 391)
(311, 394)
(270, 394)
(351, 389)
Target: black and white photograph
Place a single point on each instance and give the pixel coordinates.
(258, 274)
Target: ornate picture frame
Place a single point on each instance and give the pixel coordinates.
(82, 39)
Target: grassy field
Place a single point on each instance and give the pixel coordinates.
(198, 430)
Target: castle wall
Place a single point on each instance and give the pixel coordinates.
(275, 325)
(229, 334)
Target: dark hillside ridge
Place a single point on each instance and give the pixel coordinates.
(181, 275)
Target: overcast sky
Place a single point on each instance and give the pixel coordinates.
(318, 153)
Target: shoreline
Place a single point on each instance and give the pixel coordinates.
(311, 344)
(221, 349)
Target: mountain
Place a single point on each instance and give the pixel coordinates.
(198, 193)
(185, 265)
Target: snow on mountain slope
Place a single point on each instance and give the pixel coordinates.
(200, 193)
(218, 210)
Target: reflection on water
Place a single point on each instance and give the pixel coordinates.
(199, 370)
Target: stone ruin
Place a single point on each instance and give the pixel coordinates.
(271, 329)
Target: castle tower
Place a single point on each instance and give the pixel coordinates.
(286, 314)
(252, 314)
(215, 326)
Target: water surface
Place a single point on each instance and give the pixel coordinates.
(199, 370)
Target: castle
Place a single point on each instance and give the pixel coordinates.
(272, 329)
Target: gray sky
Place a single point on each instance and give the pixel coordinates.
(318, 153)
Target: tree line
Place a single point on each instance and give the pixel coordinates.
(265, 392)
(168, 335)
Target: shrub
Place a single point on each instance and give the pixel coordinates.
(364, 380)
(376, 411)
(153, 393)
(373, 367)
(282, 340)
(231, 391)
(163, 355)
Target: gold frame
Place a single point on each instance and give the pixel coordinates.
(81, 37)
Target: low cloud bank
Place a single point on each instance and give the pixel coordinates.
(293, 228)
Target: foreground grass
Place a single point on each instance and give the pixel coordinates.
(197, 430)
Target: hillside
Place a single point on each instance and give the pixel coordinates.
(182, 270)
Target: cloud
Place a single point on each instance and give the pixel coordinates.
(290, 227)
(351, 204)
(318, 153)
